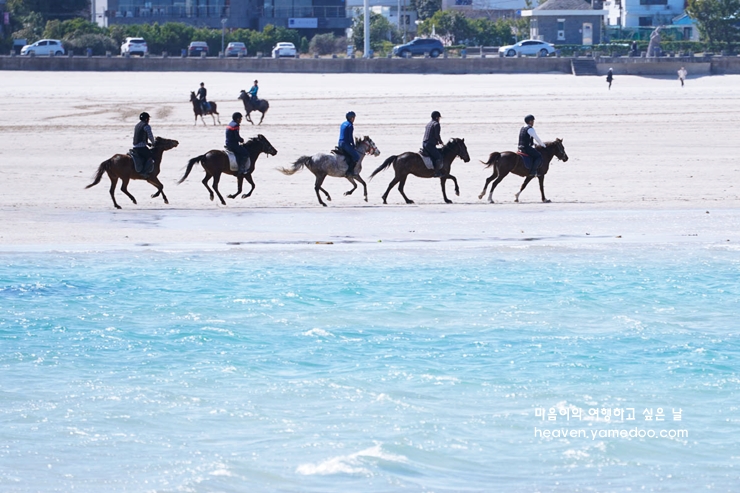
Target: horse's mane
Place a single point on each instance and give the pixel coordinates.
(453, 141)
(360, 139)
(253, 140)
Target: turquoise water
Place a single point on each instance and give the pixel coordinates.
(376, 369)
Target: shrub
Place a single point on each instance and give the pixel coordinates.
(99, 43)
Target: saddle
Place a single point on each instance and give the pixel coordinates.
(139, 163)
(341, 155)
(528, 161)
(233, 163)
(427, 160)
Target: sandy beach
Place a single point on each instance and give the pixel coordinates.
(647, 157)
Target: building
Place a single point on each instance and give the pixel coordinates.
(574, 22)
(642, 13)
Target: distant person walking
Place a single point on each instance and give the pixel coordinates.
(633, 49)
(610, 78)
(682, 75)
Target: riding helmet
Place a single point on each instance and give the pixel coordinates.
(351, 114)
(528, 118)
(236, 116)
(144, 116)
(435, 115)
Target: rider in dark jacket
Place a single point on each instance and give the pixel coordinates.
(142, 136)
(347, 143)
(233, 141)
(202, 97)
(431, 139)
(527, 136)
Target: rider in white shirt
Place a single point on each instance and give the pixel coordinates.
(527, 137)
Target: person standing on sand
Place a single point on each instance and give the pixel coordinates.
(610, 78)
(682, 75)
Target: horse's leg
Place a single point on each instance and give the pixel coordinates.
(160, 188)
(248, 177)
(390, 186)
(214, 119)
(205, 184)
(454, 180)
(239, 179)
(249, 118)
(401, 184)
(364, 185)
(263, 117)
(317, 187)
(495, 184)
(113, 183)
(196, 120)
(216, 178)
(442, 183)
(524, 185)
(124, 189)
(542, 188)
(352, 181)
(488, 180)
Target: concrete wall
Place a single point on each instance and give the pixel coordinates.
(489, 65)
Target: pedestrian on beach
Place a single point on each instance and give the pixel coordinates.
(633, 49)
(610, 78)
(682, 75)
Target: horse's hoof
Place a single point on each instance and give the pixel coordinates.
(448, 201)
(211, 198)
(480, 196)
(347, 193)
(490, 201)
(409, 201)
(323, 204)
(546, 201)
(246, 195)
(166, 201)
(365, 199)
(118, 206)
(457, 192)
(231, 196)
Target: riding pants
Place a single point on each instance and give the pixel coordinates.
(147, 163)
(436, 156)
(241, 157)
(351, 155)
(536, 158)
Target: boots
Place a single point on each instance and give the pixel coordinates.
(438, 170)
(147, 168)
(350, 169)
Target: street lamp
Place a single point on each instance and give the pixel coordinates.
(223, 31)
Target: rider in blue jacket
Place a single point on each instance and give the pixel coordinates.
(347, 143)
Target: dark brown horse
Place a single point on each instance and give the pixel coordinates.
(510, 162)
(122, 166)
(260, 105)
(198, 110)
(411, 163)
(215, 163)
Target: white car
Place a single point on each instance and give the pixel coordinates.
(44, 47)
(134, 46)
(284, 49)
(528, 47)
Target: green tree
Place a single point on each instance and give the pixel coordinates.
(380, 30)
(426, 8)
(33, 28)
(450, 24)
(489, 33)
(716, 20)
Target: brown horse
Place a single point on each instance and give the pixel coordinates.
(215, 163)
(198, 110)
(260, 105)
(122, 166)
(411, 163)
(510, 162)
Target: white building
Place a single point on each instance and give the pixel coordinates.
(642, 13)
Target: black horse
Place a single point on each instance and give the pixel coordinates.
(260, 105)
(411, 163)
(510, 162)
(216, 163)
(198, 110)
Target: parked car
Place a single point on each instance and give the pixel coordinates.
(44, 47)
(528, 47)
(134, 46)
(284, 49)
(236, 49)
(420, 46)
(197, 47)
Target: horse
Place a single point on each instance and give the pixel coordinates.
(323, 165)
(215, 163)
(198, 110)
(411, 163)
(511, 162)
(260, 105)
(122, 166)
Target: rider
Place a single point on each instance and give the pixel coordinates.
(202, 97)
(233, 139)
(526, 145)
(253, 92)
(431, 139)
(142, 136)
(347, 143)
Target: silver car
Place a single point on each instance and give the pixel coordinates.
(44, 47)
(528, 47)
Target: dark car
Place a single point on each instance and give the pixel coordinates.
(420, 46)
(198, 47)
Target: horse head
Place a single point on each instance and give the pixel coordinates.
(366, 145)
(267, 148)
(165, 144)
(192, 96)
(559, 150)
(460, 149)
(242, 94)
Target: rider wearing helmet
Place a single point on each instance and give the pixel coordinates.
(527, 136)
(202, 92)
(143, 136)
(347, 143)
(431, 139)
(233, 141)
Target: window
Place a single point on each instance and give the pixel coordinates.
(653, 2)
(646, 21)
(561, 29)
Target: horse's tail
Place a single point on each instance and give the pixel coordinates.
(104, 166)
(388, 162)
(492, 159)
(297, 165)
(191, 163)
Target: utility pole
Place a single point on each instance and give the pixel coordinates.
(92, 12)
(223, 31)
(366, 8)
